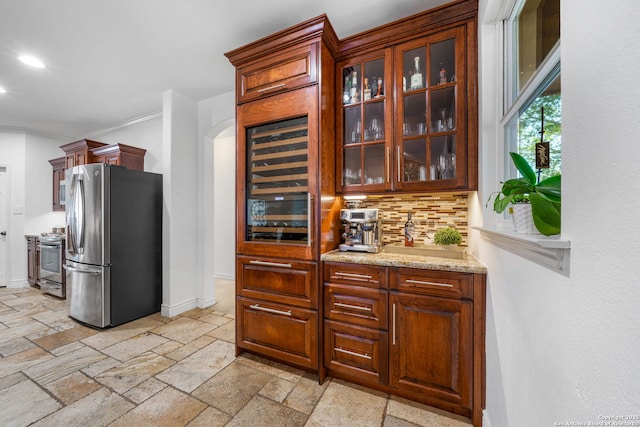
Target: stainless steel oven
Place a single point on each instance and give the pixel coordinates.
(52, 276)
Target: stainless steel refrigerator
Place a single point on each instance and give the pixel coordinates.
(114, 244)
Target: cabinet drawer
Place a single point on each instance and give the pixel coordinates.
(277, 280)
(356, 274)
(356, 305)
(356, 352)
(433, 282)
(279, 331)
(289, 69)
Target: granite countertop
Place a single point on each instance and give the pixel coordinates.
(468, 265)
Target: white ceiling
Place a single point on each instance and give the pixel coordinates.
(108, 61)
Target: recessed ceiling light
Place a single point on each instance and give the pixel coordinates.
(32, 61)
(2, 90)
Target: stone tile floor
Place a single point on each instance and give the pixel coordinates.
(159, 371)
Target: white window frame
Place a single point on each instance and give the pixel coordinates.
(550, 251)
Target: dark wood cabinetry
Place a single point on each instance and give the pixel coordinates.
(287, 213)
(292, 68)
(121, 155)
(59, 166)
(86, 151)
(411, 332)
(305, 132)
(407, 117)
(33, 260)
(79, 152)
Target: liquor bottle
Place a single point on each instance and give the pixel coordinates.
(379, 91)
(346, 93)
(354, 87)
(409, 231)
(443, 74)
(416, 77)
(367, 90)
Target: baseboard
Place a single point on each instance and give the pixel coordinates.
(174, 310)
(202, 303)
(485, 419)
(18, 284)
(224, 276)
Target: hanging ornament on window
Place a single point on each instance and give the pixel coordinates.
(542, 148)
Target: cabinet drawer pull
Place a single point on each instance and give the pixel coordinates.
(270, 310)
(266, 89)
(399, 174)
(419, 282)
(389, 164)
(269, 264)
(355, 307)
(352, 353)
(354, 275)
(393, 327)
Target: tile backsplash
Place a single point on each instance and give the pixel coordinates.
(429, 212)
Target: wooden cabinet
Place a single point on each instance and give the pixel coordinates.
(121, 155)
(365, 122)
(292, 68)
(287, 213)
(425, 68)
(86, 151)
(277, 304)
(79, 152)
(411, 332)
(289, 282)
(431, 349)
(57, 190)
(278, 331)
(356, 322)
(33, 260)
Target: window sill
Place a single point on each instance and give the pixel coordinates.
(549, 251)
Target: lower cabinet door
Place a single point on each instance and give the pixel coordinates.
(357, 352)
(431, 347)
(278, 331)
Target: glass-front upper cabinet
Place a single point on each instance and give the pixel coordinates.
(278, 179)
(430, 138)
(364, 120)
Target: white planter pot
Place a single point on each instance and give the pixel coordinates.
(523, 219)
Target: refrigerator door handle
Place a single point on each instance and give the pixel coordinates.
(79, 270)
(75, 216)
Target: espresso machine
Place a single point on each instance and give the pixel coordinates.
(362, 230)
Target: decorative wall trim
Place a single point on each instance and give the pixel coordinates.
(552, 252)
(131, 123)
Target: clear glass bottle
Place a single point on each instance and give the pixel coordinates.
(367, 90)
(346, 93)
(379, 90)
(416, 77)
(409, 231)
(354, 88)
(443, 74)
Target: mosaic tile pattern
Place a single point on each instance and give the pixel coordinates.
(429, 212)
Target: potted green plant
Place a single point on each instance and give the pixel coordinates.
(447, 236)
(543, 197)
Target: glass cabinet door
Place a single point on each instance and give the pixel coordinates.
(364, 122)
(278, 182)
(430, 102)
